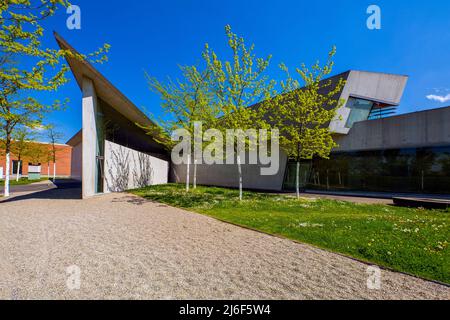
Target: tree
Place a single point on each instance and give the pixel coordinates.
(48, 158)
(185, 103)
(304, 110)
(237, 85)
(38, 153)
(20, 147)
(54, 137)
(26, 66)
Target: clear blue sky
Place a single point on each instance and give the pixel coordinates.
(157, 36)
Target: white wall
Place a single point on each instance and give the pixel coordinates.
(126, 168)
(228, 176)
(89, 138)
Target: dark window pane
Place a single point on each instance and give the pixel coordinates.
(419, 170)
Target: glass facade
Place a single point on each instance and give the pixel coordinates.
(414, 170)
(100, 150)
(290, 180)
(359, 110)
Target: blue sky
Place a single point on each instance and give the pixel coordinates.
(157, 36)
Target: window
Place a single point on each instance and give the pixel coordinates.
(15, 165)
(290, 180)
(416, 170)
(359, 110)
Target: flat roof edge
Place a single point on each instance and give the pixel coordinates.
(76, 139)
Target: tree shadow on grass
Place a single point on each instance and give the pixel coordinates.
(204, 196)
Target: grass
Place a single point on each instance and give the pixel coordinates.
(415, 241)
(22, 181)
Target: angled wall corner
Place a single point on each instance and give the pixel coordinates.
(89, 145)
(373, 86)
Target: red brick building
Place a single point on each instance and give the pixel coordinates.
(63, 161)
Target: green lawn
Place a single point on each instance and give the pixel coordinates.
(22, 181)
(410, 240)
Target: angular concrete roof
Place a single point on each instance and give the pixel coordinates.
(105, 90)
(384, 88)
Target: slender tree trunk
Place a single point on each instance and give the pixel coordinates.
(328, 180)
(48, 170)
(188, 167)
(7, 169)
(297, 180)
(8, 159)
(297, 175)
(195, 173)
(54, 172)
(240, 175)
(423, 180)
(18, 169)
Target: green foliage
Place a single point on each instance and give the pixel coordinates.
(54, 136)
(25, 181)
(184, 102)
(239, 84)
(409, 240)
(27, 66)
(218, 94)
(21, 142)
(304, 110)
(39, 153)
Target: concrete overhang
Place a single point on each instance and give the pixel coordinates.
(380, 87)
(105, 90)
(384, 88)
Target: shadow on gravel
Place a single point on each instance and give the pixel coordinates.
(137, 201)
(66, 190)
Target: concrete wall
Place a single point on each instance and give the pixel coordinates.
(89, 145)
(380, 87)
(123, 131)
(126, 169)
(425, 128)
(77, 161)
(228, 176)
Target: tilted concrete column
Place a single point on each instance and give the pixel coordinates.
(89, 138)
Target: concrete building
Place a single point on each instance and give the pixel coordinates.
(365, 95)
(38, 163)
(111, 153)
(377, 151)
(404, 153)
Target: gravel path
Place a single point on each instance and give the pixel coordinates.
(128, 248)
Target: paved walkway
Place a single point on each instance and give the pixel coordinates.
(27, 188)
(126, 247)
(344, 197)
(369, 197)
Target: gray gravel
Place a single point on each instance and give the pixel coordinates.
(127, 248)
